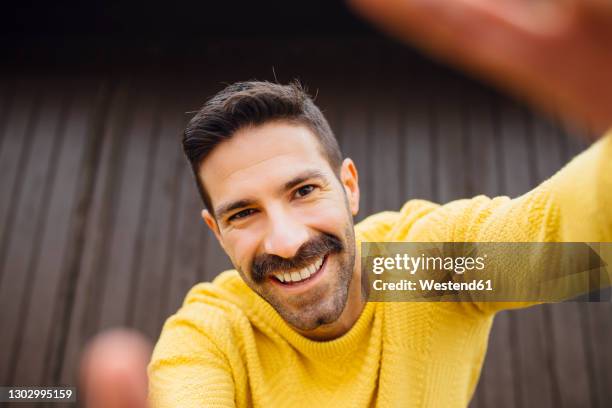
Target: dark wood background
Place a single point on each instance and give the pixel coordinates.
(99, 215)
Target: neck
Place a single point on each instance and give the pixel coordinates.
(352, 310)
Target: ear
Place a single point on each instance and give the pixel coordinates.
(212, 224)
(350, 182)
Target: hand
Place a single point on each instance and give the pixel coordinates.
(113, 372)
(555, 53)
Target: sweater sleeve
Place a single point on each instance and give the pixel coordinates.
(188, 370)
(574, 205)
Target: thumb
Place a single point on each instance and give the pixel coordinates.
(113, 372)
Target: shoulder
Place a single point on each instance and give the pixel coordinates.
(212, 310)
(422, 220)
(455, 220)
(386, 225)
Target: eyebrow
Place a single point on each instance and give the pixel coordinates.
(234, 205)
(223, 209)
(302, 177)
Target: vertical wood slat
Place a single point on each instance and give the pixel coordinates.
(140, 141)
(183, 274)
(534, 334)
(160, 227)
(7, 96)
(419, 166)
(187, 247)
(598, 335)
(385, 153)
(355, 129)
(355, 137)
(52, 292)
(481, 157)
(105, 261)
(484, 177)
(527, 327)
(568, 348)
(92, 225)
(18, 116)
(33, 361)
(14, 153)
(451, 147)
(27, 238)
(594, 319)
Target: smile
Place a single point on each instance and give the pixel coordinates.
(300, 275)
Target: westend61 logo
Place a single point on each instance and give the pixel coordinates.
(486, 271)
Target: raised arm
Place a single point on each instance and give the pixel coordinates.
(574, 205)
(556, 53)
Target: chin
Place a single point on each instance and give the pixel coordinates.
(320, 314)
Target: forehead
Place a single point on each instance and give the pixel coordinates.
(258, 157)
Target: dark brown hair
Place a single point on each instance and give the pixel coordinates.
(253, 103)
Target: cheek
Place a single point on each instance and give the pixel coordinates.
(328, 215)
(241, 247)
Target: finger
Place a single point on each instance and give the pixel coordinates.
(595, 7)
(494, 39)
(594, 14)
(530, 17)
(113, 370)
(554, 53)
(494, 36)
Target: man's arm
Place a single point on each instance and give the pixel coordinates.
(555, 53)
(188, 370)
(574, 205)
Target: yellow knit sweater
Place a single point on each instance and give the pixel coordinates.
(227, 347)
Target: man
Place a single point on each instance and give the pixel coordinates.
(290, 326)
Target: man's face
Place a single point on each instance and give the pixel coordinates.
(285, 219)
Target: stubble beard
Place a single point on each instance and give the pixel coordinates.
(325, 303)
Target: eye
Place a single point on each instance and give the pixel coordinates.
(241, 214)
(304, 190)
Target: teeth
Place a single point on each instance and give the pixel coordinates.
(297, 276)
(310, 269)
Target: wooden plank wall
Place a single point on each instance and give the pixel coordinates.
(99, 215)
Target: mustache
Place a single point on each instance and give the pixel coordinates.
(265, 264)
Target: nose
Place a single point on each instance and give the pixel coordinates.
(285, 234)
